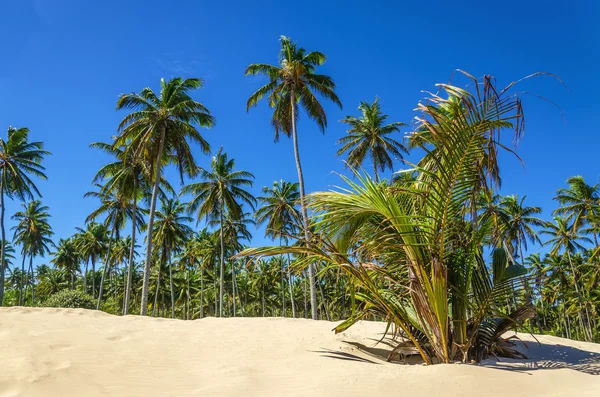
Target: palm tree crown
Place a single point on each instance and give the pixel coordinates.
(369, 136)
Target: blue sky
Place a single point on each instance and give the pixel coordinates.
(64, 63)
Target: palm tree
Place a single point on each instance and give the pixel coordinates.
(520, 222)
(34, 234)
(91, 244)
(220, 194)
(369, 136)
(170, 232)
(157, 130)
(566, 237)
(67, 258)
(579, 202)
(19, 159)
(292, 83)
(279, 210)
(117, 209)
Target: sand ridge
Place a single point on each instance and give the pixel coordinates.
(76, 352)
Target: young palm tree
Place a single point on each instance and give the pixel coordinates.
(157, 130)
(170, 232)
(67, 258)
(221, 194)
(293, 83)
(278, 209)
(19, 159)
(369, 136)
(34, 234)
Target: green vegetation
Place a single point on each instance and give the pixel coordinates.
(433, 249)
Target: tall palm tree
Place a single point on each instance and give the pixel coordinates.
(220, 194)
(579, 202)
(520, 222)
(34, 234)
(19, 159)
(369, 136)
(293, 83)
(279, 210)
(117, 209)
(157, 130)
(67, 258)
(170, 233)
(566, 237)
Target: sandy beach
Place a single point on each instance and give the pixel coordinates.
(76, 352)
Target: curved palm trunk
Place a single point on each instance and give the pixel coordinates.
(155, 309)
(2, 253)
(106, 265)
(85, 272)
(171, 287)
(146, 283)
(31, 280)
(131, 250)
(586, 330)
(311, 270)
(290, 281)
(222, 269)
(22, 283)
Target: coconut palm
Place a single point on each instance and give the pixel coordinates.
(220, 194)
(279, 210)
(19, 160)
(170, 232)
(293, 83)
(91, 244)
(567, 238)
(520, 223)
(158, 130)
(415, 254)
(579, 202)
(34, 234)
(368, 136)
(117, 210)
(67, 258)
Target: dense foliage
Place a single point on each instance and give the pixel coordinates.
(435, 249)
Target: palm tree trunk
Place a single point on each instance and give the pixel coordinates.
(374, 166)
(311, 271)
(93, 277)
(22, 279)
(155, 309)
(85, 271)
(171, 287)
(233, 285)
(31, 279)
(324, 303)
(222, 262)
(146, 282)
(201, 292)
(305, 298)
(290, 281)
(584, 329)
(131, 250)
(3, 242)
(262, 297)
(106, 265)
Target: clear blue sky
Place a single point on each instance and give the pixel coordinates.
(64, 63)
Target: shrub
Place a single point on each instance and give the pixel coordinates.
(71, 299)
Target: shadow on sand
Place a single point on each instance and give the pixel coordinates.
(542, 356)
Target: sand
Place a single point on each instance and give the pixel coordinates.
(74, 352)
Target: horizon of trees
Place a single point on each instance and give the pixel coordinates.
(335, 255)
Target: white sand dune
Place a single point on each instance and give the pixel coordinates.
(73, 352)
